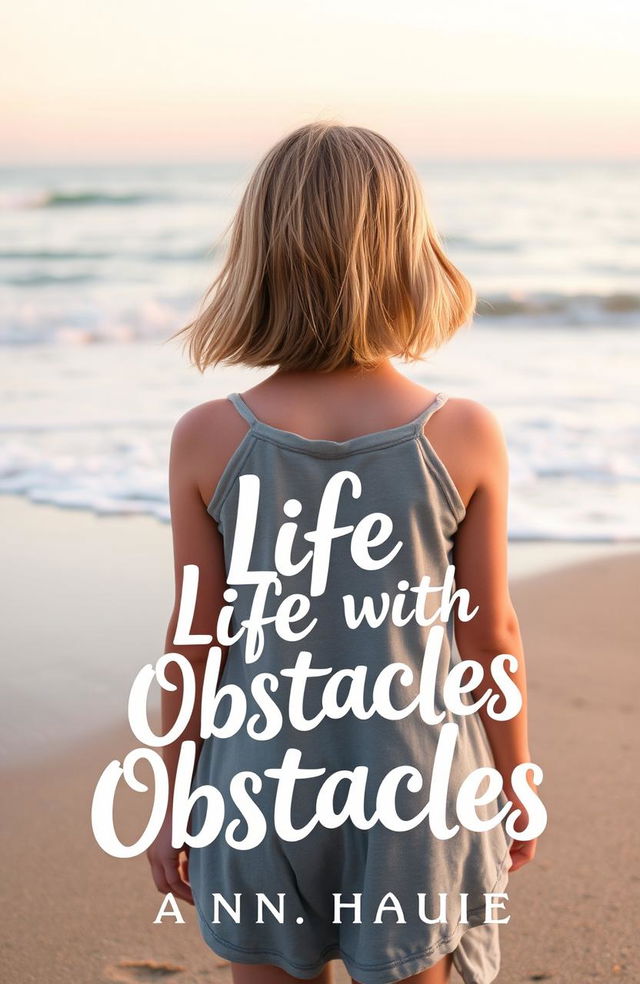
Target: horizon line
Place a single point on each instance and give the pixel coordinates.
(248, 160)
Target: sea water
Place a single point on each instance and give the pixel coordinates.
(99, 266)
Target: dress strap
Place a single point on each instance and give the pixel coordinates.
(439, 401)
(242, 408)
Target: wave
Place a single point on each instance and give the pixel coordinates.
(553, 307)
(78, 199)
(202, 253)
(53, 254)
(46, 279)
(484, 245)
(62, 321)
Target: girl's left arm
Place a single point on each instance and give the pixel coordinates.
(196, 540)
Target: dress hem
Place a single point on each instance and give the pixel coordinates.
(384, 973)
(378, 974)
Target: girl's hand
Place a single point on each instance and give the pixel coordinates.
(521, 851)
(169, 872)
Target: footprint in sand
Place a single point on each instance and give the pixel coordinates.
(153, 972)
(142, 971)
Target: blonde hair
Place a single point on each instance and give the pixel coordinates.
(333, 262)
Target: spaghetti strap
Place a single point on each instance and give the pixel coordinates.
(438, 402)
(243, 408)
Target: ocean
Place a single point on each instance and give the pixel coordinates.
(99, 266)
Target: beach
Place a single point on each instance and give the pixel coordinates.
(86, 603)
(130, 137)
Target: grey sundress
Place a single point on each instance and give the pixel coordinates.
(395, 472)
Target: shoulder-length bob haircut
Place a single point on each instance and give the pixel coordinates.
(332, 262)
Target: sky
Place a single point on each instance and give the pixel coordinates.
(190, 80)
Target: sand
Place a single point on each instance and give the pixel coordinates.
(73, 914)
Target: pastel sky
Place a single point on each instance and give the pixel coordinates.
(201, 79)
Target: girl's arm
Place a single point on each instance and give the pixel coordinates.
(480, 558)
(195, 460)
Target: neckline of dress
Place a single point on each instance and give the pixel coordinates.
(323, 446)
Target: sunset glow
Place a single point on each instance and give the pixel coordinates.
(199, 80)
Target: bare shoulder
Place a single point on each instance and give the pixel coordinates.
(470, 419)
(197, 424)
(203, 440)
(469, 439)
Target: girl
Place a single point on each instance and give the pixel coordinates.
(334, 480)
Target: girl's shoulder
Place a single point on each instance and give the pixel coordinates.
(467, 419)
(203, 440)
(199, 420)
(468, 438)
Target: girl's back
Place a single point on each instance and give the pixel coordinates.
(355, 527)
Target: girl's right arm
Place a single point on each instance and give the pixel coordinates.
(480, 559)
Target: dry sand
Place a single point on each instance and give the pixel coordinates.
(73, 915)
